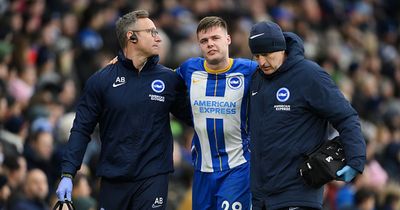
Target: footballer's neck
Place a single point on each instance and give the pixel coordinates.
(223, 64)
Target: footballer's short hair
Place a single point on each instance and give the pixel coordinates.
(211, 21)
(126, 23)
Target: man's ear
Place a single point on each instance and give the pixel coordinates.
(228, 37)
(128, 34)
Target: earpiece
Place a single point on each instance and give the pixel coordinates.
(133, 38)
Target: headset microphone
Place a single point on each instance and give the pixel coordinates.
(133, 38)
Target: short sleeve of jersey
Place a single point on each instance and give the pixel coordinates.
(182, 70)
(248, 66)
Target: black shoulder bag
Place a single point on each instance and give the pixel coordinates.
(321, 166)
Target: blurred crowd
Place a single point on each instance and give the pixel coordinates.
(49, 48)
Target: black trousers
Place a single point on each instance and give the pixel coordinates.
(147, 194)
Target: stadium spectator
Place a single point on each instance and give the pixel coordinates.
(81, 194)
(35, 192)
(15, 168)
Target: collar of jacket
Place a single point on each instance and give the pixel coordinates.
(151, 62)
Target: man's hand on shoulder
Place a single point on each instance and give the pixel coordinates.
(113, 61)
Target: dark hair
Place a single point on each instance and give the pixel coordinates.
(211, 21)
(11, 162)
(363, 194)
(126, 23)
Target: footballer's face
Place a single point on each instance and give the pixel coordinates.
(270, 62)
(214, 44)
(148, 39)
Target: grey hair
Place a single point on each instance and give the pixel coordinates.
(126, 23)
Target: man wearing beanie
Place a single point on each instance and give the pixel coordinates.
(293, 101)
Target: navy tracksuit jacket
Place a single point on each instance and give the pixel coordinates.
(132, 109)
(289, 115)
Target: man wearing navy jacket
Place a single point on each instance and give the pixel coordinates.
(292, 102)
(131, 100)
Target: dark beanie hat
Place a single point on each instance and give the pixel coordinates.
(266, 37)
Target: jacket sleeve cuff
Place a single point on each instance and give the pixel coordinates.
(357, 164)
(68, 168)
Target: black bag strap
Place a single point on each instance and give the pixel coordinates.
(59, 205)
(333, 148)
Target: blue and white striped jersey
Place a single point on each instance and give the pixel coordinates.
(219, 101)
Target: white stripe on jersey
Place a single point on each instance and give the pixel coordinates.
(231, 122)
